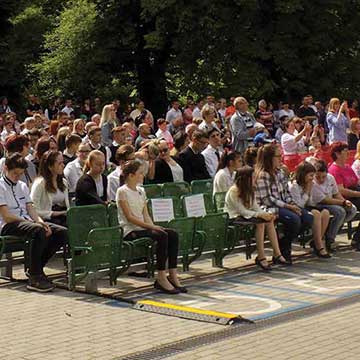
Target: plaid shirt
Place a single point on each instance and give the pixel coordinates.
(272, 195)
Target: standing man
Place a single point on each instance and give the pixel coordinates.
(241, 125)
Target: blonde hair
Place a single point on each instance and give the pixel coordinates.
(207, 110)
(353, 123)
(76, 123)
(197, 121)
(332, 104)
(92, 156)
(238, 100)
(106, 115)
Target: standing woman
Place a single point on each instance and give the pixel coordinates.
(301, 192)
(91, 188)
(230, 161)
(272, 193)
(136, 222)
(49, 191)
(107, 123)
(240, 201)
(338, 120)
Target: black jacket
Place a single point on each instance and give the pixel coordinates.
(193, 165)
(162, 172)
(85, 192)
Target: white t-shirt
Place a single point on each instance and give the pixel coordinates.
(15, 197)
(223, 180)
(136, 200)
(113, 183)
(58, 198)
(290, 146)
(177, 172)
(328, 189)
(99, 186)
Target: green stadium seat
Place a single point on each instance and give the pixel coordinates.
(219, 201)
(220, 237)
(202, 186)
(176, 189)
(153, 190)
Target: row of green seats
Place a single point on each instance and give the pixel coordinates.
(96, 246)
(217, 236)
(178, 188)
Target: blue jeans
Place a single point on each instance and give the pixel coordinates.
(293, 225)
(340, 216)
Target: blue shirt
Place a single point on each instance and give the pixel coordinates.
(337, 127)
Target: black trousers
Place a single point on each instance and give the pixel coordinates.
(167, 245)
(356, 202)
(42, 248)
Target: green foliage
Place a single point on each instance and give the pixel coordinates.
(158, 49)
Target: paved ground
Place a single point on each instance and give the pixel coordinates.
(66, 325)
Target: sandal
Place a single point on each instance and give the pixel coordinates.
(276, 260)
(258, 262)
(320, 255)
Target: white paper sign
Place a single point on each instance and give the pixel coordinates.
(195, 205)
(162, 210)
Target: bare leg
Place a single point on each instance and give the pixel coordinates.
(259, 235)
(325, 218)
(317, 230)
(174, 277)
(163, 281)
(271, 232)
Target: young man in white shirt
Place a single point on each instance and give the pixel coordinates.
(174, 115)
(212, 152)
(68, 107)
(164, 133)
(19, 218)
(74, 169)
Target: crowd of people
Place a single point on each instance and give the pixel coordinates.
(69, 154)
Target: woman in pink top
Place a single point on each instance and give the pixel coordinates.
(346, 179)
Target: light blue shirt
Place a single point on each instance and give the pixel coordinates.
(337, 127)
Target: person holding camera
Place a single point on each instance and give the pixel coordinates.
(338, 121)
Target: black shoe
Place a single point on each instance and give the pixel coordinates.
(277, 261)
(320, 255)
(166, 291)
(264, 267)
(182, 289)
(355, 244)
(40, 283)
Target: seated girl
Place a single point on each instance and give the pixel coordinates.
(240, 201)
(91, 188)
(300, 191)
(136, 222)
(49, 191)
(224, 178)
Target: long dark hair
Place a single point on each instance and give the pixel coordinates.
(226, 157)
(48, 160)
(244, 184)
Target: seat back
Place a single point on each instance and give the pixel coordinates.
(176, 206)
(112, 213)
(176, 189)
(215, 226)
(185, 227)
(202, 186)
(153, 190)
(198, 204)
(106, 244)
(82, 219)
(219, 201)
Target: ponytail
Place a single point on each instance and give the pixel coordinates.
(226, 157)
